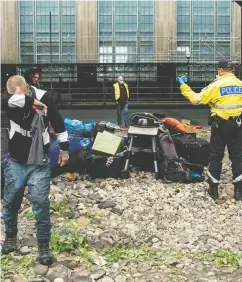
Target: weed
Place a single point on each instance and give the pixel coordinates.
(225, 259)
(60, 209)
(128, 254)
(179, 255)
(11, 265)
(70, 241)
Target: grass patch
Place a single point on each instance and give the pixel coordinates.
(60, 209)
(123, 253)
(10, 265)
(71, 241)
(225, 259)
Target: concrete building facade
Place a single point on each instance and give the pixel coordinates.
(87, 18)
(144, 39)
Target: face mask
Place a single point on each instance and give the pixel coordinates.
(217, 76)
(121, 82)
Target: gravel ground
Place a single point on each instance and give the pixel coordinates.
(137, 229)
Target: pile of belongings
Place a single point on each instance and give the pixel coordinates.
(187, 144)
(96, 150)
(181, 155)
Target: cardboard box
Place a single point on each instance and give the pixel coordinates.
(190, 129)
(186, 121)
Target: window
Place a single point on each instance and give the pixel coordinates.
(203, 26)
(126, 33)
(35, 31)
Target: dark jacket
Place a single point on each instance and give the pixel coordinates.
(20, 114)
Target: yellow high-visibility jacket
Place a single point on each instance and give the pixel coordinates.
(117, 90)
(223, 95)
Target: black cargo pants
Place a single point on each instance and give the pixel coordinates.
(225, 133)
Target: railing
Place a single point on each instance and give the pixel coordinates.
(138, 94)
(83, 82)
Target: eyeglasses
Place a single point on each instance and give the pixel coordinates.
(37, 77)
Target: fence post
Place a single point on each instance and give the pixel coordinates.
(51, 73)
(171, 87)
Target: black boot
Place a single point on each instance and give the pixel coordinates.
(213, 190)
(10, 244)
(238, 191)
(45, 255)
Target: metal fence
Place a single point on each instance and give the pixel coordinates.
(93, 82)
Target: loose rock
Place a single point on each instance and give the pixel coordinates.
(107, 205)
(120, 278)
(59, 271)
(24, 250)
(107, 279)
(29, 242)
(40, 269)
(97, 274)
(59, 280)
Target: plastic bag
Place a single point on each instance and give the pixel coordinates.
(78, 143)
(74, 126)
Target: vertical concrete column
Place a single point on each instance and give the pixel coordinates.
(9, 32)
(86, 31)
(166, 29)
(236, 32)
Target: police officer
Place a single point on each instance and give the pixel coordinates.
(224, 97)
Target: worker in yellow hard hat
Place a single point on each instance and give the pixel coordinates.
(224, 97)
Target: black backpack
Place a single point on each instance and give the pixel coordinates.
(180, 170)
(172, 168)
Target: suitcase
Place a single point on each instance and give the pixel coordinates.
(195, 150)
(99, 166)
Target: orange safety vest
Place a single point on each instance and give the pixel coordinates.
(117, 90)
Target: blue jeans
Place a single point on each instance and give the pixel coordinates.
(37, 177)
(121, 108)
